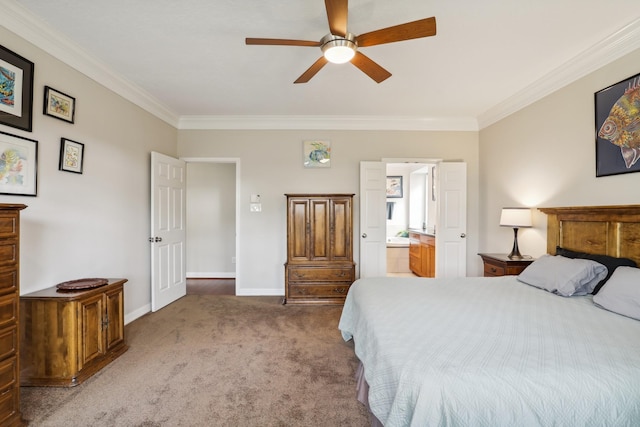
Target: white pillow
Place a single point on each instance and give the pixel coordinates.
(621, 293)
(564, 276)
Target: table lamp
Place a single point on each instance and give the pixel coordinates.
(516, 218)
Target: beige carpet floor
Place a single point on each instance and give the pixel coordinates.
(210, 360)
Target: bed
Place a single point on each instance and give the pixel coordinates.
(496, 351)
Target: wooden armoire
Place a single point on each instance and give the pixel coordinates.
(9, 316)
(319, 267)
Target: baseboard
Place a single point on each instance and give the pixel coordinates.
(130, 317)
(259, 292)
(214, 275)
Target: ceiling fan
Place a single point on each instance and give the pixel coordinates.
(340, 46)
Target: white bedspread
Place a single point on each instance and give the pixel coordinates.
(491, 352)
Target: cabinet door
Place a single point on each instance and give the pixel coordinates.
(341, 229)
(90, 327)
(115, 318)
(298, 229)
(415, 263)
(320, 229)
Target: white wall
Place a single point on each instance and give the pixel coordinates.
(95, 224)
(211, 226)
(544, 155)
(271, 165)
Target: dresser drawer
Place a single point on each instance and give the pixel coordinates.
(9, 405)
(311, 274)
(8, 374)
(8, 310)
(8, 280)
(8, 342)
(8, 225)
(337, 290)
(8, 252)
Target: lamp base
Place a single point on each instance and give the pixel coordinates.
(515, 252)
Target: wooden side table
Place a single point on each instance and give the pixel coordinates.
(501, 265)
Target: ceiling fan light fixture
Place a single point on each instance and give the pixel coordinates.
(339, 50)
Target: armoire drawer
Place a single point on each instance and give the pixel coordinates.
(319, 290)
(314, 274)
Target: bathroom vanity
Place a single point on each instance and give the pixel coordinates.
(422, 253)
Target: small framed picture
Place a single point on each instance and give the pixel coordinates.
(59, 105)
(71, 156)
(16, 94)
(19, 172)
(394, 187)
(316, 154)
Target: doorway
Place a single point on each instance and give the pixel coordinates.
(448, 191)
(212, 222)
(411, 207)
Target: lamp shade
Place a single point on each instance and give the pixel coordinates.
(515, 217)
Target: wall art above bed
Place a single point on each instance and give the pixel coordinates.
(617, 130)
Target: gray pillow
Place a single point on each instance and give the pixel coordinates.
(563, 276)
(621, 293)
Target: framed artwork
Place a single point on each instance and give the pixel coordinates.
(394, 187)
(316, 154)
(617, 130)
(71, 156)
(16, 90)
(59, 105)
(19, 166)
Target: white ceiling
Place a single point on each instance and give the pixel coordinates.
(189, 57)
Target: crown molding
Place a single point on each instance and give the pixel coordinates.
(19, 20)
(622, 42)
(329, 123)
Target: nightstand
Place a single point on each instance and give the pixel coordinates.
(501, 265)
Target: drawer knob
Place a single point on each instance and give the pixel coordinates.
(339, 290)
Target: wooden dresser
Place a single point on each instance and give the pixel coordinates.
(68, 336)
(319, 267)
(9, 314)
(502, 265)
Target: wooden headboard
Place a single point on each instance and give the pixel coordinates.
(608, 230)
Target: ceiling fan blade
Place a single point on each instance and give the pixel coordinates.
(280, 42)
(312, 71)
(337, 12)
(411, 30)
(370, 68)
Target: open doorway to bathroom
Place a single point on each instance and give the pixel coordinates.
(410, 208)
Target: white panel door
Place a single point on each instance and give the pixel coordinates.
(373, 220)
(451, 223)
(168, 230)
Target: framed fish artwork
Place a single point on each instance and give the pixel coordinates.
(316, 154)
(16, 90)
(617, 110)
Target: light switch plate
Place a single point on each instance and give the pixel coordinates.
(255, 198)
(255, 207)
